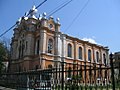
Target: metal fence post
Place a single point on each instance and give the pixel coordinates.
(27, 82)
(112, 71)
(62, 75)
(85, 75)
(90, 76)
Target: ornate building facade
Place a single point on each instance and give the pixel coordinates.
(38, 43)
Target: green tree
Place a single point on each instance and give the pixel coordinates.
(3, 55)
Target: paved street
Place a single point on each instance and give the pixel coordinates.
(4, 88)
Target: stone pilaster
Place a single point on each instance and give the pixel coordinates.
(14, 49)
(93, 55)
(43, 41)
(43, 36)
(58, 46)
(64, 45)
(30, 39)
(101, 57)
(75, 49)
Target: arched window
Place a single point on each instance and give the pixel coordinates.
(80, 53)
(104, 59)
(89, 55)
(21, 48)
(97, 56)
(50, 46)
(69, 50)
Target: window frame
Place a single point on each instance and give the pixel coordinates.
(69, 50)
(38, 47)
(97, 56)
(80, 53)
(104, 59)
(50, 46)
(89, 55)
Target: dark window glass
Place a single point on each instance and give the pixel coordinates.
(89, 55)
(97, 56)
(38, 45)
(69, 50)
(80, 53)
(20, 50)
(104, 59)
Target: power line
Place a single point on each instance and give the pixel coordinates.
(7, 30)
(77, 15)
(41, 4)
(27, 15)
(56, 10)
(37, 7)
(59, 7)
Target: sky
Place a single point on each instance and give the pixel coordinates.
(95, 20)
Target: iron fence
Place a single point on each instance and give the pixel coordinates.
(62, 77)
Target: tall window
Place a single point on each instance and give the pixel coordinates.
(26, 45)
(80, 53)
(50, 46)
(20, 50)
(89, 55)
(104, 59)
(69, 50)
(38, 45)
(97, 57)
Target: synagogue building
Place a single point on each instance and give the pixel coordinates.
(38, 43)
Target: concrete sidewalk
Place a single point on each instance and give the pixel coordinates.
(4, 88)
